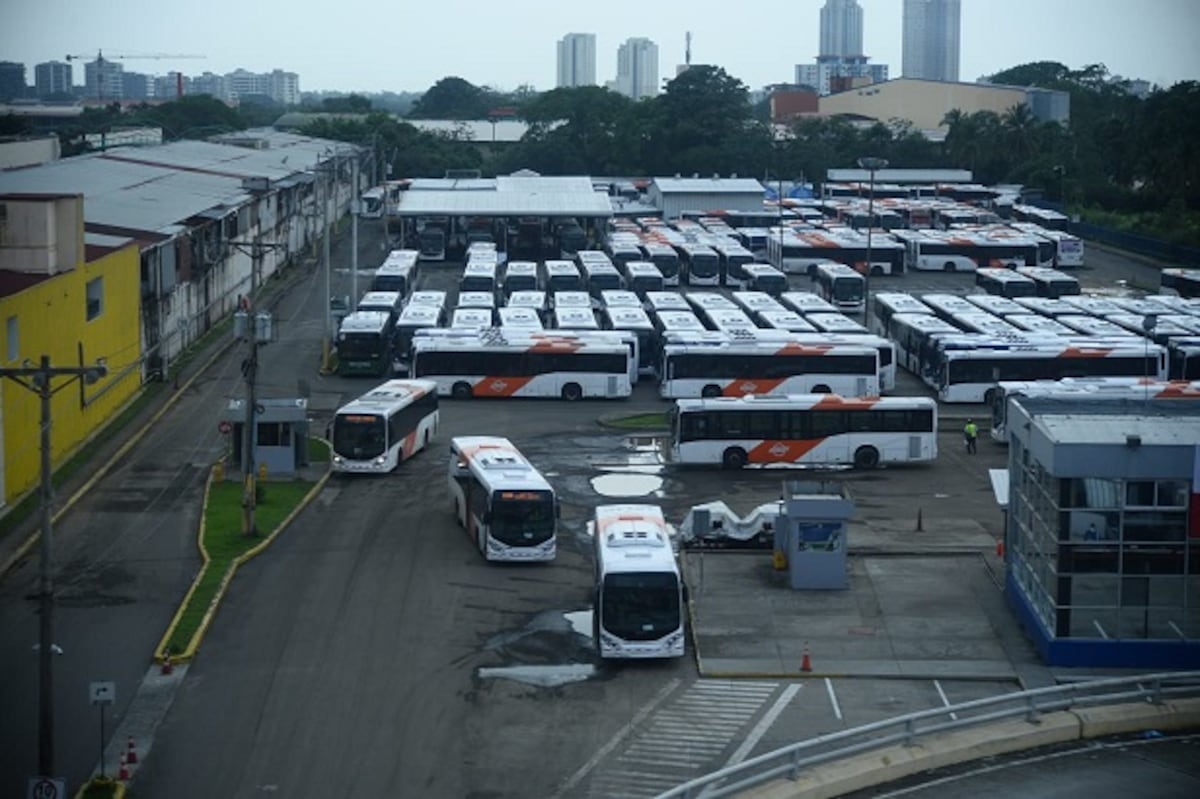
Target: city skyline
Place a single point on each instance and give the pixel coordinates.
(1150, 41)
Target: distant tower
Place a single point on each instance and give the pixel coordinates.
(637, 69)
(687, 49)
(577, 60)
(931, 39)
(841, 28)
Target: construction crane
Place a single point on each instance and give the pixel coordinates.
(101, 58)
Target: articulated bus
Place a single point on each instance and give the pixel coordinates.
(805, 430)
(971, 374)
(506, 506)
(1131, 388)
(365, 342)
(767, 367)
(639, 603)
(525, 363)
(388, 424)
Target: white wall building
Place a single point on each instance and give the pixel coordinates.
(102, 80)
(52, 77)
(637, 69)
(577, 60)
(841, 28)
(931, 39)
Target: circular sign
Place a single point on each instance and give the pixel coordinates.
(224, 427)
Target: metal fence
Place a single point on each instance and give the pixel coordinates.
(789, 762)
(1143, 245)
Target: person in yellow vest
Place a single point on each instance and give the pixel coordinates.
(971, 434)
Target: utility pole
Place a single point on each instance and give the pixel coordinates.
(250, 373)
(327, 338)
(354, 208)
(38, 380)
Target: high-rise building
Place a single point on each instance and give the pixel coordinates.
(931, 39)
(52, 77)
(12, 80)
(168, 87)
(841, 28)
(838, 73)
(637, 69)
(577, 60)
(209, 83)
(102, 80)
(136, 86)
(284, 87)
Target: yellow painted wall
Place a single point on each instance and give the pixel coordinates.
(925, 103)
(52, 320)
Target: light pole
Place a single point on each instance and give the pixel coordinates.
(872, 165)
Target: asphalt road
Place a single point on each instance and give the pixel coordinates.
(348, 660)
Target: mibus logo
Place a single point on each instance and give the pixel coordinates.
(748, 388)
(779, 449)
(498, 385)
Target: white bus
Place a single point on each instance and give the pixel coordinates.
(524, 318)
(754, 302)
(388, 424)
(570, 299)
(834, 323)
(665, 257)
(1046, 306)
(913, 334)
(639, 602)
(804, 430)
(643, 276)
(366, 343)
(806, 302)
(472, 318)
(637, 322)
(733, 258)
(841, 286)
(414, 317)
(764, 278)
(785, 320)
(620, 298)
(1180, 282)
(764, 367)
(699, 264)
(971, 374)
(1034, 323)
(599, 276)
(666, 301)
(427, 297)
(677, 322)
(533, 300)
(1051, 282)
(526, 363)
(476, 299)
(478, 276)
(1045, 217)
(508, 509)
(389, 302)
(966, 251)
(398, 272)
(519, 276)
(886, 304)
(567, 317)
(559, 275)
(728, 320)
(1004, 282)
(1068, 249)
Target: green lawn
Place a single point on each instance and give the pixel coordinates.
(318, 450)
(224, 542)
(640, 421)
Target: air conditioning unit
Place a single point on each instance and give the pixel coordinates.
(256, 184)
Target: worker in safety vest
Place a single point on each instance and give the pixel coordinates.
(971, 434)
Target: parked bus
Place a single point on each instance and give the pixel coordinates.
(431, 241)
(1046, 306)
(477, 299)
(570, 318)
(365, 342)
(524, 318)
(472, 318)
(519, 276)
(389, 302)
(785, 320)
(1091, 325)
(1131, 388)
(852, 338)
(620, 298)
(754, 302)
(699, 264)
(479, 276)
(639, 602)
(1182, 282)
(834, 323)
(1040, 324)
(503, 363)
(387, 425)
(642, 277)
(971, 374)
(561, 276)
(665, 258)
(600, 276)
(806, 302)
(533, 300)
(571, 299)
(637, 322)
(398, 272)
(728, 320)
(1067, 249)
(621, 252)
(914, 334)
(505, 505)
(434, 298)
(1050, 282)
(414, 317)
(1045, 217)
(666, 301)
(733, 258)
(1005, 283)
(886, 304)
(841, 286)
(677, 322)
(764, 278)
(966, 251)
(703, 302)
(804, 430)
(765, 367)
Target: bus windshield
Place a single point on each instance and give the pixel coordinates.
(359, 436)
(522, 518)
(641, 606)
(359, 345)
(848, 289)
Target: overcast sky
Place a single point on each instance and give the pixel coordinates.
(408, 46)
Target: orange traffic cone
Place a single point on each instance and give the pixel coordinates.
(167, 666)
(123, 771)
(999, 547)
(131, 755)
(805, 661)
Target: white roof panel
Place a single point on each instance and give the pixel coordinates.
(709, 186)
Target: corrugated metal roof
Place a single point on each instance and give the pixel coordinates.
(477, 130)
(709, 185)
(503, 203)
(1113, 429)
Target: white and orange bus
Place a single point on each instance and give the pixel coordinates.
(388, 424)
(496, 362)
(804, 430)
(754, 366)
(506, 506)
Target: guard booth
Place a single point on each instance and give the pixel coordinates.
(280, 437)
(810, 534)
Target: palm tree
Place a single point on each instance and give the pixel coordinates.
(1020, 131)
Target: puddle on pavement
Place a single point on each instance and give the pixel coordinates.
(626, 484)
(542, 676)
(580, 621)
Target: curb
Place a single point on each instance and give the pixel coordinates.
(118, 788)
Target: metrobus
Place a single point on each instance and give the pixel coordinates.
(643, 276)
(1005, 283)
(398, 272)
(913, 334)
(1162, 330)
(886, 304)
(806, 302)
(478, 276)
(733, 258)
(570, 299)
(505, 505)
(570, 318)
(622, 252)
(677, 322)
(561, 275)
(639, 600)
(704, 301)
(804, 430)
(666, 301)
(764, 278)
(365, 343)
(765, 367)
(533, 300)
(1034, 323)
(1046, 306)
(699, 264)
(963, 251)
(1068, 249)
(600, 276)
(853, 338)
(620, 298)
(728, 320)
(1050, 282)
(414, 317)
(526, 363)
(1133, 388)
(472, 318)
(971, 374)
(665, 258)
(390, 302)
(427, 297)
(1091, 325)
(1182, 282)
(834, 323)
(476, 299)
(753, 302)
(948, 306)
(637, 322)
(1045, 217)
(841, 286)
(388, 424)
(784, 320)
(519, 276)
(524, 318)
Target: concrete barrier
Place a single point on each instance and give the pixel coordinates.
(1099, 722)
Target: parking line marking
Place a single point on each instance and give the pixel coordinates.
(764, 724)
(837, 711)
(945, 701)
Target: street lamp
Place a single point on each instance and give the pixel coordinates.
(872, 165)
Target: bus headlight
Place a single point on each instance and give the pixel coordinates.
(338, 459)
(378, 462)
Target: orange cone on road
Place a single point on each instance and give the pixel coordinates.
(131, 755)
(123, 771)
(167, 666)
(999, 547)
(805, 661)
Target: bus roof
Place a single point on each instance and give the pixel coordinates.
(804, 402)
(633, 538)
(528, 298)
(620, 298)
(498, 464)
(419, 316)
(520, 317)
(623, 318)
(365, 322)
(388, 396)
(436, 298)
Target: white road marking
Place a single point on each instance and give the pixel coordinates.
(764, 724)
(837, 711)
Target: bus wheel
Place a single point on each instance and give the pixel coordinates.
(822, 389)
(461, 391)
(734, 458)
(876, 271)
(866, 458)
(948, 266)
(572, 392)
(710, 391)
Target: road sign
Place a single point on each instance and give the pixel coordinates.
(102, 693)
(224, 427)
(46, 788)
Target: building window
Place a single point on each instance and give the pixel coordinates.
(95, 298)
(13, 337)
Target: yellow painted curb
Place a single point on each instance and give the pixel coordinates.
(118, 788)
(189, 653)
